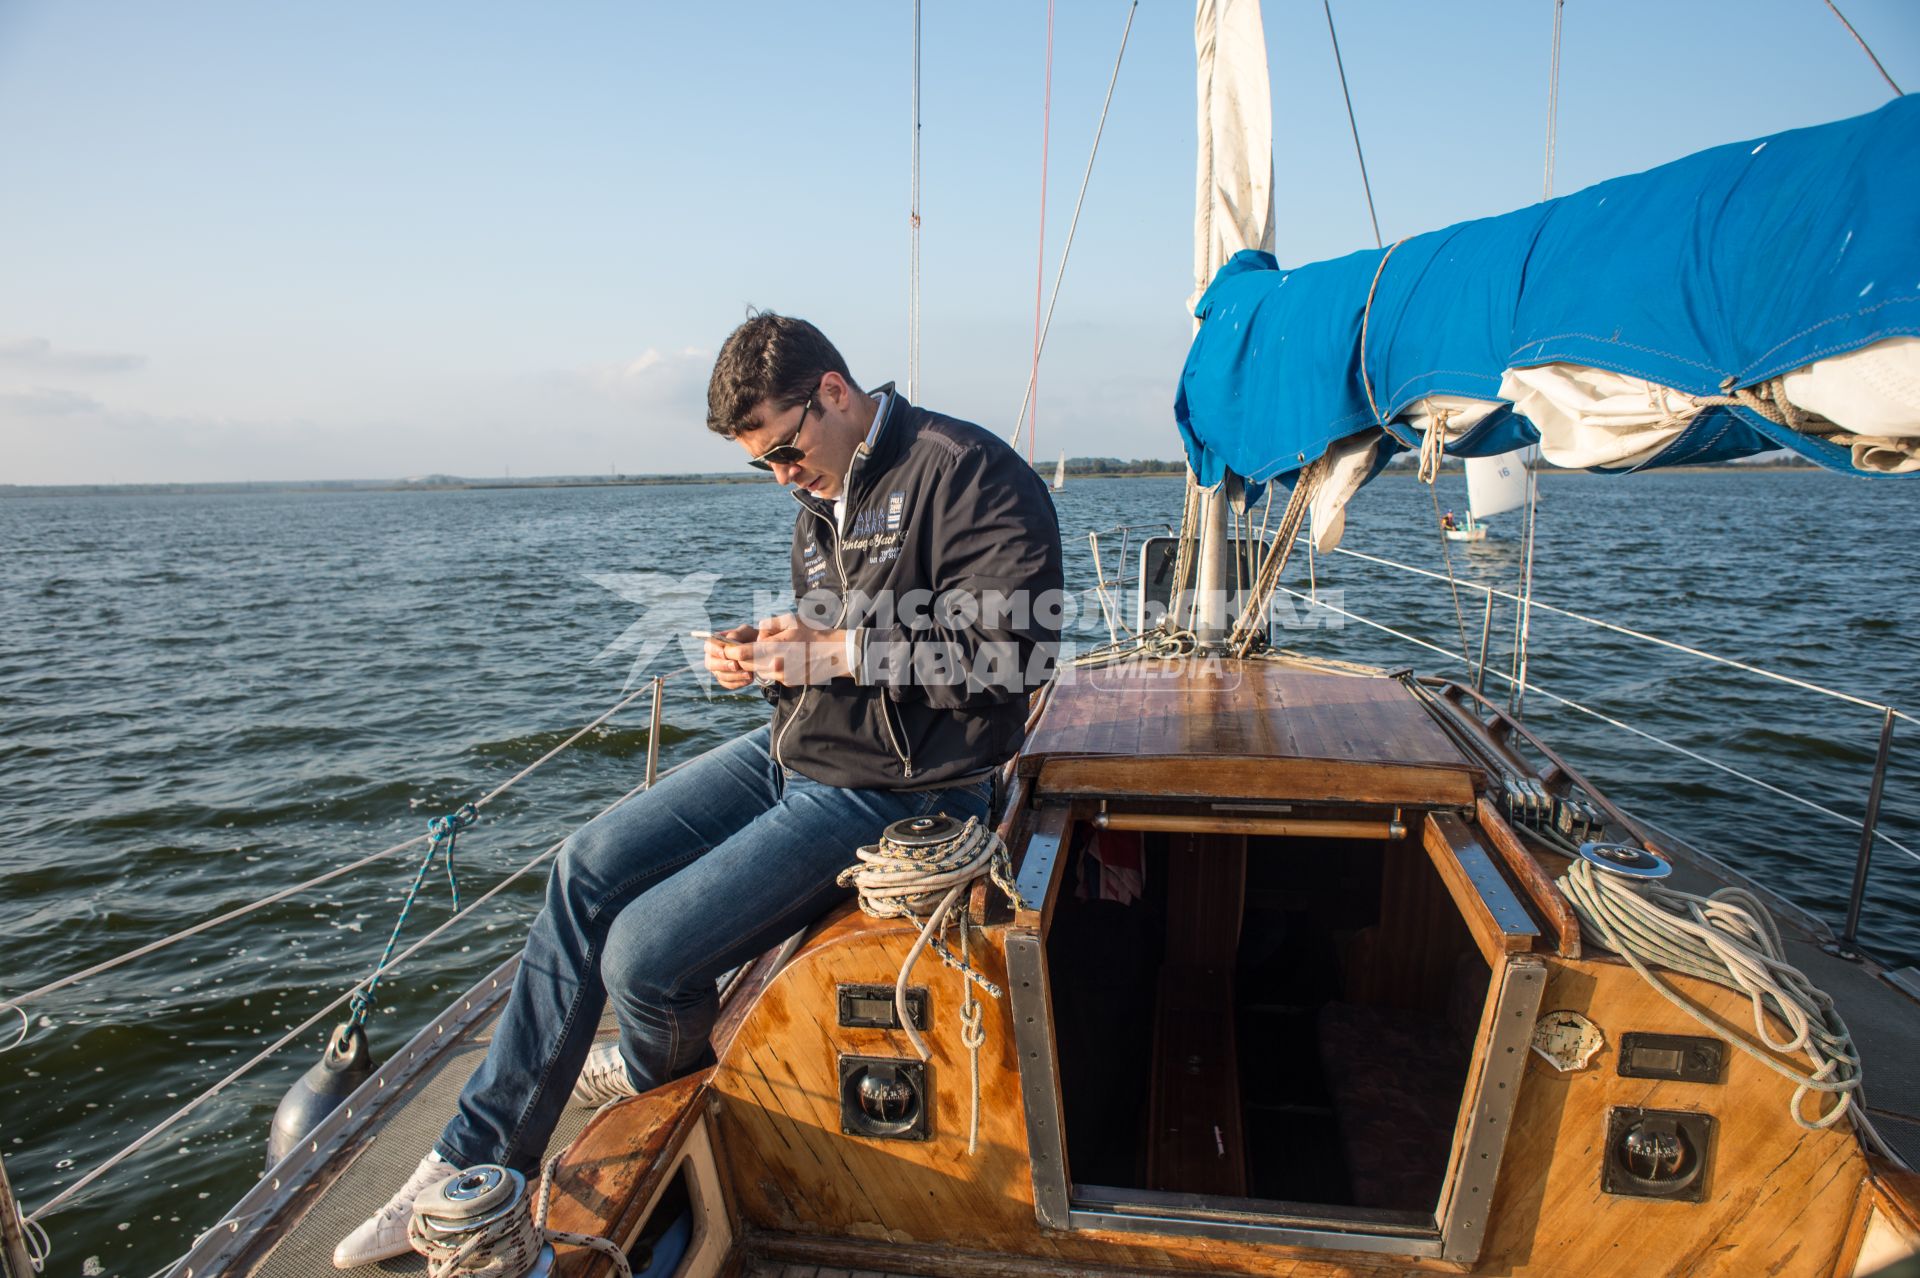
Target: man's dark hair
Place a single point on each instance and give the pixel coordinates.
(775, 358)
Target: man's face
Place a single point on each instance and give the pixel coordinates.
(823, 429)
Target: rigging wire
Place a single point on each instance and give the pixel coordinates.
(1523, 616)
(1364, 183)
(1073, 224)
(913, 215)
(1553, 102)
(1437, 431)
(1453, 586)
(1865, 47)
(1040, 262)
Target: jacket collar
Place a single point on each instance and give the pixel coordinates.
(882, 444)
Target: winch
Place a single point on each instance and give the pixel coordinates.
(484, 1223)
(479, 1221)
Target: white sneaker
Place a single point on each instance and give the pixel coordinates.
(383, 1235)
(603, 1078)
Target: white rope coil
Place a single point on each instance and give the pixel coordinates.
(39, 1246)
(1728, 938)
(504, 1245)
(923, 882)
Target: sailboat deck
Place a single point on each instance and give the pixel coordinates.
(1253, 729)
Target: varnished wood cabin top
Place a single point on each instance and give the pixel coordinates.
(1244, 729)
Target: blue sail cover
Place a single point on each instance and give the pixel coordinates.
(1726, 268)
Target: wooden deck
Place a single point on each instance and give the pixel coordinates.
(1244, 729)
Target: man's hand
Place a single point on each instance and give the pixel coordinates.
(727, 672)
(783, 650)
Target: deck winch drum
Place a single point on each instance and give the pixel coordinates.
(476, 1220)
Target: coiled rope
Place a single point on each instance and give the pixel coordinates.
(39, 1246)
(1728, 938)
(922, 882)
(506, 1245)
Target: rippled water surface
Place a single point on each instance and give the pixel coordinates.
(204, 699)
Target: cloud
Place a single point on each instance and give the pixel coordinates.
(47, 401)
(38, 353)
(653, 376)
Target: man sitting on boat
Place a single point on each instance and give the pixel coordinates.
(926, 560)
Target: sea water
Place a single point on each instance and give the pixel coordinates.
(206, 698)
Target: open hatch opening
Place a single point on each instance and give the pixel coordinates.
(1262, 1026)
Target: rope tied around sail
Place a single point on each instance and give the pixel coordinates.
(1250, 627)
(1730, 939)
(441, 831)
(922, 881)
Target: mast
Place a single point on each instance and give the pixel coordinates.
(913, 217)
(1233, 210)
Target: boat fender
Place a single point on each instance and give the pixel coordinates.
(346, 1063)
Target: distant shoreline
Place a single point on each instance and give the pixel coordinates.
(450, 483)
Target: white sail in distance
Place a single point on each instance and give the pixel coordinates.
(1060, 473)
(1496, 485)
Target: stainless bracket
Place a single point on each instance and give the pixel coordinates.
(1032, 1010)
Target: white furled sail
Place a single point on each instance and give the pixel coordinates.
(1234, 205)
(1233, 210)
(1496, 485)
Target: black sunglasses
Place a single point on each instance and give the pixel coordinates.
(787, 452)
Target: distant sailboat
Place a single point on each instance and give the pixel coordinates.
(1495, 485)
(1060, 474)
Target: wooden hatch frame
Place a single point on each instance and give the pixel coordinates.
(1505, 935)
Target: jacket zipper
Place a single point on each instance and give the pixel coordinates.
(894, 738)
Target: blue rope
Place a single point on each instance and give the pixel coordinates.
(441, 830)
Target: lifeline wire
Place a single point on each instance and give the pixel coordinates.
(58, 1200)
(1570, 704)
(1645, 637)
(16, 1004)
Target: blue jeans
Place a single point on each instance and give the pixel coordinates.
(649, 904)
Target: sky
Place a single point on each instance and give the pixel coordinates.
(354, 240)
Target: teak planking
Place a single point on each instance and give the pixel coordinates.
(795, 1174)
(605, 1180)
(1779, 1196)
(1276, 779)
(1245, 729)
